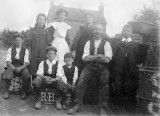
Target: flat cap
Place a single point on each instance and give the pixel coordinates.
(18, 35)
(51, 48)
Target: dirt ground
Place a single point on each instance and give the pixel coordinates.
(17, 107)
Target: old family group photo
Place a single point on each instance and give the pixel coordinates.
(118, 74)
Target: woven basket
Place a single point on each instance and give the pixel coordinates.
(146, 86)
(147, 106)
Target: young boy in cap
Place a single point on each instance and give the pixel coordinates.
(17, 62)
(71, 74)
(50, 75)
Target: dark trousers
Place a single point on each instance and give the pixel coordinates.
(59, 85)
(68, 96)
(24, 75)
(87, 75)
(126, 85)
(80, 64)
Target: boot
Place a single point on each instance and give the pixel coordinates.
(6, 85)
(6, 95)
(75, 109)
(24, 96)
(102, 112)
(58, 104)
(38, 104)
(64, 106)
(105, 111)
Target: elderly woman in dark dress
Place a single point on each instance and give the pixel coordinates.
(38, 41)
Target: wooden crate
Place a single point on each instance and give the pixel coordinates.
(48, 95)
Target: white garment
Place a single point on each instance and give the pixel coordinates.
(107, 49)
(127, 40)
(60, 71)
(26, 56)
(59, 39)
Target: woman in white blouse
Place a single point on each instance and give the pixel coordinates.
(60, 35)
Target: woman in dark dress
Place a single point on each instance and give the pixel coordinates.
(37, 37)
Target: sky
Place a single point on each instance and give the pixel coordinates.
(21, 14)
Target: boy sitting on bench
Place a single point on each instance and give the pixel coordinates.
(71, 74)
(50, 75)
(17, 62)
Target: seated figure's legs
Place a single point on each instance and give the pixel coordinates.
(61, 88)
(25, 81)
(85, 76)
(37, 83)
(6, 79)
(104, 88)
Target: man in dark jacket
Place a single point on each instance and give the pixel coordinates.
(124, 69)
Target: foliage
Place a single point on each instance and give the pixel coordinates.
(7, 37)
(147, 14)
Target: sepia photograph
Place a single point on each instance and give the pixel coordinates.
(80, 57)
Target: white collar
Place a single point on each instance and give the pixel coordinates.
(127, 40)
(97, 40)
(53, 61)
(18, 48)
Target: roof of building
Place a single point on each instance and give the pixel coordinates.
(75, 14)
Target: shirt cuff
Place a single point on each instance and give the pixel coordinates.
(39, 73)
(84, 55)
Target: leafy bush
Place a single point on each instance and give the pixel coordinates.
(7, 37)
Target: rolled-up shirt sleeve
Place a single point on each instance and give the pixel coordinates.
(40, 70)
(86, 50)
(108, 50)
(8, 57)
(60, 72)
(75, 77)
(26, 57)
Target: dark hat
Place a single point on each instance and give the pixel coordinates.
(18, 35)
(51, 48)
(61, 11)
(88, 14)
